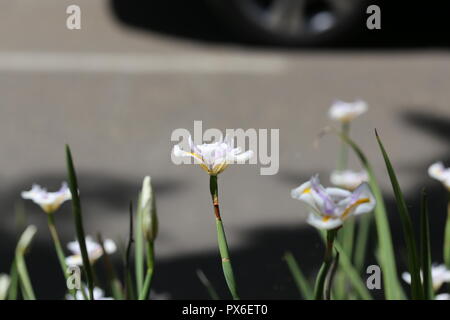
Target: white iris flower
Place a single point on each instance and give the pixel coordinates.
(347, 111)
(348, 179)
(439, 274)
(93, 248)
(330, 207)
(439, 172)
(48, 201)
(215, 157)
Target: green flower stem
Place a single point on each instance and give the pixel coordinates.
(347, 234)
(58, 247)
(57, 242)
(343, 153)
(327, 262)
(149, 274)
(222, 241)
(447, 237)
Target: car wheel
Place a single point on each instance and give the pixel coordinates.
(291, 22)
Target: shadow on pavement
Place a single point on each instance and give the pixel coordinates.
(260, 269)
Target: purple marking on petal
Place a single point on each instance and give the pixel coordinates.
(329, 205)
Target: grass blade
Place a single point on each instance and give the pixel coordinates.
(111, 274)
(14, 283)
(413, 263)
(139, 248)
(447, 237)
(302, 283)
(143, 295)
(392, 287)
(207, 284)
(425, 248)
(362, 239)
(21, 249)
(76, 209)
(129, 292)
(352, 273)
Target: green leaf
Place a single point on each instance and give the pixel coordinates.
(353, 274)
(302, 283)
(408, 231)
(143, 295)
(425, 248)
(21, 249)
(14, 283)
(207, 284)
(129, 290)
(447, 238)
(392, 287)
(362, 239)
(111, 274)
(76, 209)
(139, 247)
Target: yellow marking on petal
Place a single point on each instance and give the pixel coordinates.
(326, 218)
(307, 190)
(357, 203)
(220, 168)
(196, 156)
(204, 167)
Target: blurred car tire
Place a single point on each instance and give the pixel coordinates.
(292, 22)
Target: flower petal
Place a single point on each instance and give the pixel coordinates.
(324, 224)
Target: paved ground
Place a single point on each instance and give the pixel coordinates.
(116, 94)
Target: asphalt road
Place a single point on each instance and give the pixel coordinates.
(116, 93)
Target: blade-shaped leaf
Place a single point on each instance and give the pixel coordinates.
(408, 231)
(76, 209)
(207, 284)
(425, 248)
(447, 237)
(302, 283)
(362, 239)
(392, 287)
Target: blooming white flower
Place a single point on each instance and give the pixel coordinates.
(348, 179)
(99, 294)
(347, 111)
(93, 248)
(330, 207)
(48, 201)
(442, 296)
(439, 274)
(5, 280)
(214, 157)
(440, 173)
